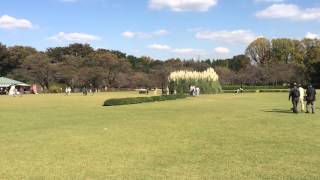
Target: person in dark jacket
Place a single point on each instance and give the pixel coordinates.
(311, 98)
(294, 97)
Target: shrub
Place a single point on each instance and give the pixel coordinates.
(138, 100)
(274, 90)
(207, 81)
(158, 98)
(56, 88)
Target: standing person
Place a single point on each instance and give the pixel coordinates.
(21, 91)
(85, 91)
(67, 91)
(15, 92)
(198, 91)
(12, 90)
(192, 89)
(301, 98)
(311, 98)
(294, 96)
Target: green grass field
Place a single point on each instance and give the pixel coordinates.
(226, 136)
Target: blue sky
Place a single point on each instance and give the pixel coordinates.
(157, 28)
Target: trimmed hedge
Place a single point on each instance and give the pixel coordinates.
(274, 90)
(234, 91)
(235, 87)
(138, 100)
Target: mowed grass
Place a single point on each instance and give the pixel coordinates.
(226, 136)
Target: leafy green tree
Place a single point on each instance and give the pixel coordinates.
(282, 50)
(3, 60)
(57, 53)
(239, 62)
(17, 54)
(79, 50)
(315, 74)
(221, 63)
(119, 54)
(312, 61)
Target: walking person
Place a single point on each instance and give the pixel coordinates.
(301, 98)
(311, 98)
(294, 96)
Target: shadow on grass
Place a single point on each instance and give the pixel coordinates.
(286, 111)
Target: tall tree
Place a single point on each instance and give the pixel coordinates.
(3, 60)
(80, 50)
(107, 67)
(68, 72)
(239, 62)
(37, 69)
(259, 51)
(312, 61)
(283, 51)
(57, 53)
(17, 54)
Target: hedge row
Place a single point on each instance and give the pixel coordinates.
(259, 91)
(235, 87)
(138, 100)
(273, 90)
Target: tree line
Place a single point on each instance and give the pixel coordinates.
(273, 62)
(265, 62)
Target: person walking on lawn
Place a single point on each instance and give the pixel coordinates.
(311, 98)
(301, 98)
(294, 96)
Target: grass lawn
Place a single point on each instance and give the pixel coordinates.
(249, 136)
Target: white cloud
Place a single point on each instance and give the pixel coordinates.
(143, 35)
(161, 32)
(128, 34)
(74, 37)
(289, 11)
(189, 51)
(69, 0)
(221, 50)
(270, 1)
(182, 5)
(179, 51)
(310, 35)
(8, 22)
(159, 47)
(237, 36)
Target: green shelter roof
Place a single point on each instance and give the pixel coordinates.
(6, 82)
